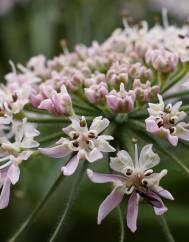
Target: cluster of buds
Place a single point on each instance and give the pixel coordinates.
(161, 60)
(94, 87)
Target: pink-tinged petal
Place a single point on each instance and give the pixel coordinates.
(111, 202)
(172, 139)
(104, 178)
(164, 193)
(5, 194)
(113, 102)
(91, 95)
(132, 212)
(71, 166)
(57, 104)
(25, 155)
(154, 199)
(94, 155)
(47, 105)
(161, 210)
(56, 151)
(35, 100)
(151, 126)
(182, 132)
(13, 173)
(128, 104)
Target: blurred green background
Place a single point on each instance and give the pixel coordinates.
(32, 27)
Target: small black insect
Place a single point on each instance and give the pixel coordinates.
(150, 198)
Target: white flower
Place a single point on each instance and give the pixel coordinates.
(137, 179)
(87, 142)
(164, 120)
(24, 134)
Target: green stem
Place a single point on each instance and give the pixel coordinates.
(165, 229)
(33, 215)
(176, 78)
(47, 120)
(185, 108)
(122, 231)
(72, 196)
(32, 109)
(173, 157)
(176, 94)
(51, 137)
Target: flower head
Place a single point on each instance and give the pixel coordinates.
(12, 152)
(138, 179)
(165, 121)
(86, 143)
(121, 101)
(57, 103)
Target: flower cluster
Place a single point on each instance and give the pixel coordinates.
(137, 179)
(105, 91)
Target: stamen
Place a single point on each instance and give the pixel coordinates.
(165, 18)
(136, 156)
(129, 171)
(148, 172)
(75, 144)
(83, 122)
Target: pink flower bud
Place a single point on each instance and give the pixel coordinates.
(121, 101)
(96, 93)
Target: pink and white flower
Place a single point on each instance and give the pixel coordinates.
(165, 121)
(86, 143)
(144, 91)
(137, 180)
(57, 103)
(12, 154)
(97, 93)
(162, 60)
(121, 101)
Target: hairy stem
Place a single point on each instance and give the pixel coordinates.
(72, 196)
(165, 229)
(36, 210)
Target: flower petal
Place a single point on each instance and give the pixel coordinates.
(151, 126)
(94, 155)
(121, 162)
(164, 193)
(99, 124)
(182, 132)
(132, 212)
(104, 146)
(161, 210)
(13, 173)
(5, 194)
(104, 178)
(111, 202)
(71, 166)
(56, 151)
(148, 158)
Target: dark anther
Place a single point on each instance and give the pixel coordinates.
(76, 144)
(91, 135)
(181, 36)
(82, 123)
(172, 129)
